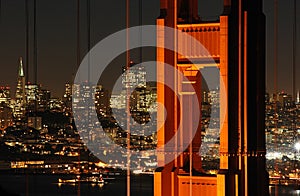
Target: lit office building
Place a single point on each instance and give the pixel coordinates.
(20, 102)
(102, 101)
(5, 115)
(44, 98)
(5, 94)
(134, 77)
(32, 93)
(67, 98)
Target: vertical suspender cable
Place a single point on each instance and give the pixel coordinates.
(275, 82)
(78, 63)
(27, 67)
(141, 28)
(35, 55)
(128, 97)
(88, 34)
(294, 49)
(88, 18)
(27, 39)
(176, 76)
(0, 10)
(294, 126)
(294, 65)
(88, 12)
(275, 45)
(294, 54)
(190, 152)
(240, 82)
(35, 58)
(141, 48)
(78, 57)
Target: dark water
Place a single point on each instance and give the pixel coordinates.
(38, 185)
(284, 190)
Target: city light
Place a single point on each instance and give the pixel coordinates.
(163, 131)
(297, 146)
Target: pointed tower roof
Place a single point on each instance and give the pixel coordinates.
(21, 70)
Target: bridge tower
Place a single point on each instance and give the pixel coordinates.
(237, 44)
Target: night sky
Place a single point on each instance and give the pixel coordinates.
(56, 34)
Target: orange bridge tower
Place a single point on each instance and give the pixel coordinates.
(236, 42)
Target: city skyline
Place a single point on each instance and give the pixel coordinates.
(57, 39)
(225, 132)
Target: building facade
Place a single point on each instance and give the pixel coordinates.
(20, 98)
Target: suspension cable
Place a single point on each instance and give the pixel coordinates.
(27, 70)
(141, 54)
(275, 83)
(141, 28)
(35, 57)
(88, 34)
(294, 111)
(294, 49)
(78, 63)
(0, 10)
(78, 34)
(27, 39)
(128, 97)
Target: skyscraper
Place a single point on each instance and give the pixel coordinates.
(32, 96)
(5, 115)
(67, 98)
(134, 77)
(20, 98)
